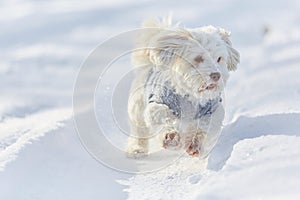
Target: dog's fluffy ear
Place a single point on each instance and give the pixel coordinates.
(157, 44)
(167, 47)
(233, 54)
(150, 30)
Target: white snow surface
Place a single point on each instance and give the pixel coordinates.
(43, 44)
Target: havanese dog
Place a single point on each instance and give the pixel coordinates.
(176, 95)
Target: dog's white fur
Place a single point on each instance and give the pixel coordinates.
(185, 58)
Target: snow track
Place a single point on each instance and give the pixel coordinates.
(15, 133)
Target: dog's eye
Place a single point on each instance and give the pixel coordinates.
(199, 59)
(219, 59)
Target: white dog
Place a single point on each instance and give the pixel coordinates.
(176, 94)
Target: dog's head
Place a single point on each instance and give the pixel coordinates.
(198, 60)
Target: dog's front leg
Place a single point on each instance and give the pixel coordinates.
(193, 141)
(203, 133)
(161, 120)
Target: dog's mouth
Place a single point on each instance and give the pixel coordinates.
(211, 86)
(208, 87)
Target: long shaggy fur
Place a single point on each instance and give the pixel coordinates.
(176, 94)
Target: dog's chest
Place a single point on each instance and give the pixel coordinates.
(159, 90)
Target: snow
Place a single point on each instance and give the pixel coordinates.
(42, 46)
(17, 132)
(262, 168)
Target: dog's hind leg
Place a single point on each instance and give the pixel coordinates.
(139, 134)
(138, 141)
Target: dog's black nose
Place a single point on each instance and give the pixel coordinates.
(215, 76)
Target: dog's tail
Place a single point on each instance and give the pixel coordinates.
(150, 28)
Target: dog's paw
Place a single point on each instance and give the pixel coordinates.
(172, 141)
(193, 146)
(137, 153)
(135, 150)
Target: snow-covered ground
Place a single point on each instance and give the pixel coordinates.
(42, 45)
